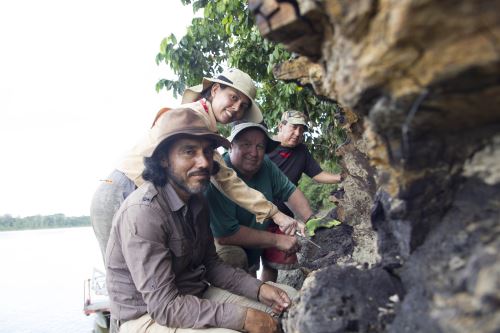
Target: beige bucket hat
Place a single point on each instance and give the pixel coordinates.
(234, 78)
(176, 122)
(271, 143)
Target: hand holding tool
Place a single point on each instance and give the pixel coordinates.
(298, 234)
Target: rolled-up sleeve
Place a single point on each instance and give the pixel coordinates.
(146, 253)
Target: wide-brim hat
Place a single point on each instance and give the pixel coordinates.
(233, 78)
(238, 128)
(179, 122)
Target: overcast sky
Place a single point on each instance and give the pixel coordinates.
(77, 89)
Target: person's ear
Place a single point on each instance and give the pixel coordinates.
(164, 162)
(214, 89)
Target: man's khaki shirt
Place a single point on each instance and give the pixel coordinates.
(160, 259)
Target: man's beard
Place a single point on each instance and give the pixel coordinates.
(202, 186)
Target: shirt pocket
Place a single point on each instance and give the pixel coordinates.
(181, 250)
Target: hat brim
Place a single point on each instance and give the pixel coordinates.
(271, 143)
(192, 94)
(298, 122)
(196, 132)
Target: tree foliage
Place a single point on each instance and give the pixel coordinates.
(318, 195)
(8, 222)
(226, 35)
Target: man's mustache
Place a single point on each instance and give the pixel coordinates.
(201, 172)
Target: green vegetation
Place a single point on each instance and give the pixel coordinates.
(319, 194)
(320, 222)
(8, 222)
(226, 35)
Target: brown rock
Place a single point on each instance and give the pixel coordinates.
(419, 84)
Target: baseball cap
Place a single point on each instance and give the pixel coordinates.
(295, 117)
(239, 127)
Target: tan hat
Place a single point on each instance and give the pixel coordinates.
(270, 145)
(295, 117)
(177, 122)
(234, 78)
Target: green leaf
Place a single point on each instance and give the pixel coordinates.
(220, 7)
(314, 224)
(163, 45)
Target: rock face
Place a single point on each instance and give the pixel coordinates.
(419, 82)
(345, 299)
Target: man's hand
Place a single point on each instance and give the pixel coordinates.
(287, 224)
(258, 321)
(277, 299)
(287, 244)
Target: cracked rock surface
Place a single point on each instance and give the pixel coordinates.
(419, 84)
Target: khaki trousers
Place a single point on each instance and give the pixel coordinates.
(235, 256)
(146, 324)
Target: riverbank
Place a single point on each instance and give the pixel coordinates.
(10, 223)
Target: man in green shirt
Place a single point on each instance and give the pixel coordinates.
(234, 228)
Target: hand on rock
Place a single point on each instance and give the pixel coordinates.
(257, 321)
(277, 299)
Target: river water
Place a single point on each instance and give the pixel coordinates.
(41, 279)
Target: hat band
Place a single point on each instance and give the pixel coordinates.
(225, 79)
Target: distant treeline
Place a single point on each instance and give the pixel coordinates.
(8, 222)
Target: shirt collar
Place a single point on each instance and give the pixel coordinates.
(176, 204)
(212, 117)
(209, 115)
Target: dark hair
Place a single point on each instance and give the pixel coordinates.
(153, 171)
(207, 93)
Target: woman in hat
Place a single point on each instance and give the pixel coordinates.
(223, 99)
